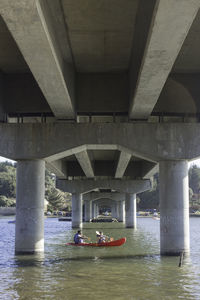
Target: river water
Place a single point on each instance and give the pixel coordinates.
(132, 271)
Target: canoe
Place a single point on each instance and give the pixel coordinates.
(106, 244)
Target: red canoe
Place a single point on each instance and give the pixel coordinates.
(106, 244)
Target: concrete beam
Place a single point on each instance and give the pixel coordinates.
(36, 31)
(85, 186)
(123, 161)
(100, 195)
(152, 171)
(150, 141)
(1, 97)
(105, 202)
(57, 167)
(85, 162)
(170, 25)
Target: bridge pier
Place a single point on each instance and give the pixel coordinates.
(77, 210)
(94, 210)
(29, 230)
(130, 209)
(121, 211)
(114, 210)
(174, 207)
(88, 211)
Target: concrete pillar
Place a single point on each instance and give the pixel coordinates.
(130, 211)
(30, 187)
(93, 210)
(114, 210)
(88, 211)
(97, 210)
(121, 206)
(174, 207)
(77, 210)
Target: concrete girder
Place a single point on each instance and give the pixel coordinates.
(105, 202)
(122, 164)
(58, 168)
(153, 171)
(85, 163)
(37, 31)
(169, 27)
(85, 186)
(98, 195)
(151, 141)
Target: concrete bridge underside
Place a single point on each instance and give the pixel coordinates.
(103, 94)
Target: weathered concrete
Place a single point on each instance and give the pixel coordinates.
(153, 141)
(103, 195)
(1, 97)
(58, 168)
(85, 186)
(130, 209)
(121, 209)
(29, 230)
(123, 161)
(114, 210)
(85, 162)
(38, 42)
(94, 210)
(77, 210)
(174, 207)
(88, 210)
(170, 25)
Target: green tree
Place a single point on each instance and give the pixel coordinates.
(58, 200)
(194, 179)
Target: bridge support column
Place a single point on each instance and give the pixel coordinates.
(97, 210)
(121, 211)
(88, 208)
(29, 230)
(114, 210)
(130, 209)
(94, 210)
(174, 207)
(77, 210)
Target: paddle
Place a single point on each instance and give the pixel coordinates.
(86, 238)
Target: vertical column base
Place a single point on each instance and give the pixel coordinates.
(174, 208)
(77, 210)
(29, 229)
(130, 210)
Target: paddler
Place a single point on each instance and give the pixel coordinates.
(79, 238)
(101, 237)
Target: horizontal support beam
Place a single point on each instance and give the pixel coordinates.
(86, 186)
(98, 195)
(150, 141)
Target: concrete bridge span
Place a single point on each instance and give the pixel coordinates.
(104, 93)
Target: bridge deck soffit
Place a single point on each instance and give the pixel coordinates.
(169, 28)
(37, 32)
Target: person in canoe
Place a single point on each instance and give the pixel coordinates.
(79, 238)
(101, 238)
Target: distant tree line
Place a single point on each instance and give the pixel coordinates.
(57, 200)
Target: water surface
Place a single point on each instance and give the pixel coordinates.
(132, 271)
